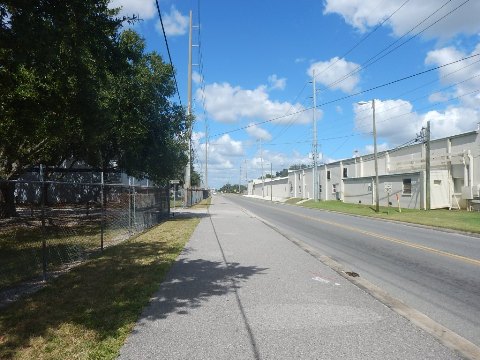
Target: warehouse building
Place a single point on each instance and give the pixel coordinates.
(454, 177)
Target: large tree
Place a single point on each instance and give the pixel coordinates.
(54, 57)
(73, 87)
(146, 132)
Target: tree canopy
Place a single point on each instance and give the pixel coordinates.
(75, 87)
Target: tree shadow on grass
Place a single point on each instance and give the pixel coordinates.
(103, 298)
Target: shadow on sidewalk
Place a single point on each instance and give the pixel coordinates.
(192, 282)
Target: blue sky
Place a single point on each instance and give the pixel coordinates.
(257, 59)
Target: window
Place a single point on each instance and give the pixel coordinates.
(437, 182)
(345, 172)
(299, 188)
(299, 176)
(320, 188)
(328, 174)
(334, 188)
(407, 186)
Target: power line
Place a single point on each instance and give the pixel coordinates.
(423, 96)
(377, 56)
(350, 96)
(292, 121)
(168, 51)
(363, 39)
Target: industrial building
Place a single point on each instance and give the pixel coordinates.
(454, 177)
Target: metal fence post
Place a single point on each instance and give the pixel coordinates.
(134, 206)
(129, 204)
(102, 215)
(44, 232)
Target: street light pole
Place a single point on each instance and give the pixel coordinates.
(377, 193)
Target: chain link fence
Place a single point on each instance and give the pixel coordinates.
(56, 225)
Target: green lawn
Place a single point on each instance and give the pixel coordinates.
(21, 247)
(293, 200)
(205, 203)
(450, 219)
(88, 312)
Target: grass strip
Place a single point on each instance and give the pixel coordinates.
(468, 221)
(293, 201)
(205, 203)
(88, 312)
(21, 248)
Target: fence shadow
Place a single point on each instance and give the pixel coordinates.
(106, 294)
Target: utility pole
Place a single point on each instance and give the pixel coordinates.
(246, 176)
(188, 175)
(377, 190)
(206, 154)
(263, 178)
(427, 168)
(315, 146)
(271, 183)
(240, 178)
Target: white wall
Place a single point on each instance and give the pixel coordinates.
(455, 164)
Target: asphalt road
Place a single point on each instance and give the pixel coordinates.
(435, 272)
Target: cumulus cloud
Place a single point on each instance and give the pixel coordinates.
(279, 161)
(397, 123)
(196, 77)
(328, 72)
(453, 120)
(258, 133)
(370, 149)
(229, 104)
(175, 23)
(364, 14)
(144, 9)
(277, 83)
(395, 120)
(438, 97)
(465, 74)
(224, 155)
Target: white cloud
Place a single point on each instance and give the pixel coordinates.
(465, 75)
(174, 23)
(144, 9)
(224, 154)
(369, 149)
(453, 120)
(300, 60)
(328, 72)
(229, 104)
(277, 83)
(196, 77)
(279, 161)
(364, 14)
(258, 133)
(395, 120)
(397, 123)
(438, 97)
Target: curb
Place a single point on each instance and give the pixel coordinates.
(444, 335)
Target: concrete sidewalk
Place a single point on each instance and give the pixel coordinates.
(240, 290)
